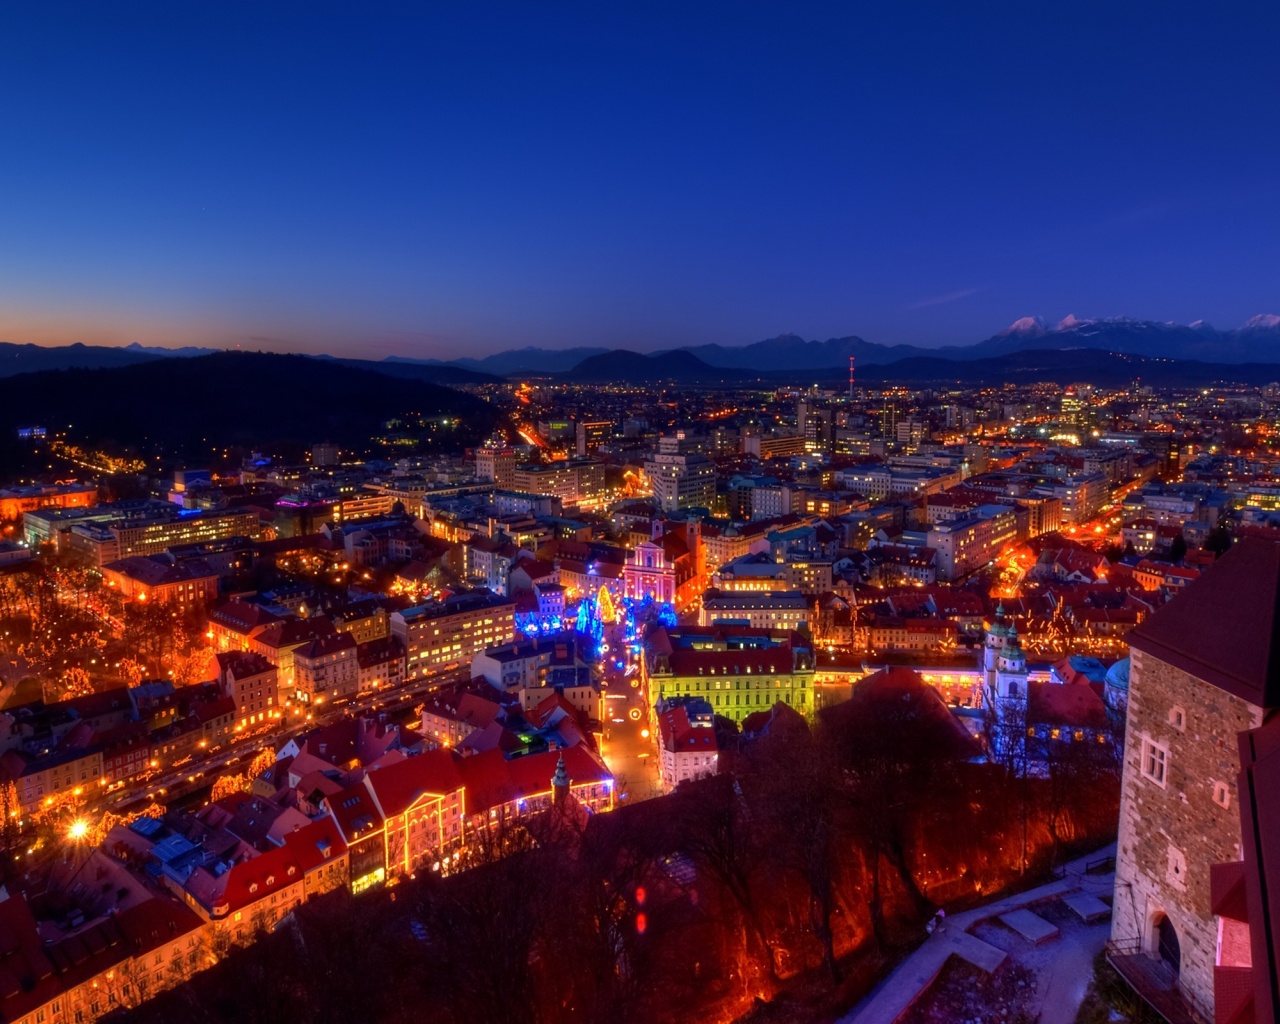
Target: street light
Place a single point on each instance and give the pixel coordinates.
(78, 830)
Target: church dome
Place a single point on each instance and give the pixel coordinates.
(1118, 675)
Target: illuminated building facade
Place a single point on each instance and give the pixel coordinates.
(681, 481)
(445, 635)
(737, 670)
(15, 502)
(251, 681)
(101, 543)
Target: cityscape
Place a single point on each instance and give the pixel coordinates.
(634, 669)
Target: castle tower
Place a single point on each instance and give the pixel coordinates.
(1204, 668)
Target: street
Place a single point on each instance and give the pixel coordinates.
(628, 748)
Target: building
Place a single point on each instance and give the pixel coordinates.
(326, 669)
(161, 579)
(1082, 496)
(51, 525)
(1249, 943)
(16, 502)
(686, 740)
(101, 543)
(1204, 669)
(422, 805)
(278, 641)
(497, 465)
(326, 454)
(969, 541)
(592, 435)
(737, 670)
(41, 781)
(101, 966)
(786, 609)
(573, 481)
(681, 481)
(380, 663)
(502, 789)
(445, 635)
(774, 446)
(251, 682)
(666, 569)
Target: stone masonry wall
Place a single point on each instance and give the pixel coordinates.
(1171, 835)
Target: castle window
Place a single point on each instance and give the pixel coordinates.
(1177, 718)
(1154, 761)
(1222, 794)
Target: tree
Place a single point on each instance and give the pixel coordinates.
(229, 785)
(1218, 541)
(716, 830)
(794, 790)
(894, 746)
(1178, 548)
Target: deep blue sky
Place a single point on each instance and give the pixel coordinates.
(456, 179)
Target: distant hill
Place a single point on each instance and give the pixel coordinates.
(434, 373)
(160, 350)
(792, 352)
(188, 407)
(15, 359)
(625, 367)
(518, 360)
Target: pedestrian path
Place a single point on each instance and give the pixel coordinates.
(889, 1000)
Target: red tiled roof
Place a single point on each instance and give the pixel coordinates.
(890, 691)
(355, 811)
(400, 786)
(242, 616)
(1224, 627)
(1074, 705)
(294, 632)
(323, 646)
(679, 735)
(310, 843)
(258, 878)
(770, 661)
(242, 664)
(491, 780)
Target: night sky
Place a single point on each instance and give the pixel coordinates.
(440, 180)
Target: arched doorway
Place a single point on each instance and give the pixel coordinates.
(1167, 947)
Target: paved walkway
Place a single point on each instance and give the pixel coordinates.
(894, 995)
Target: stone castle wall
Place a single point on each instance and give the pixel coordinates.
(1171, 835)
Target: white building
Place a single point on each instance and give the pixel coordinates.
(969, 541)
(681, 481)
(687, 739)
(773, 610)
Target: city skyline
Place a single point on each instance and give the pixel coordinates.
(438, 184)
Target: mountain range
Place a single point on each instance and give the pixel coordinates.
(1256, 341)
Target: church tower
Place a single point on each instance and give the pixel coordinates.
(559, 782)
(1011, 670)
(1005, 671)
(997, 635)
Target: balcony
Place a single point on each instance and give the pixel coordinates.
(1155, 983)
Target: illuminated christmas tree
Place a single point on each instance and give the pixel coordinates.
(605, 608)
